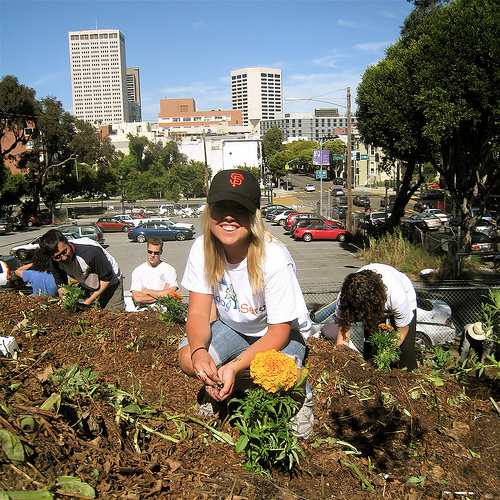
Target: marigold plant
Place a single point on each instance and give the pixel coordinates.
(171, 309)
(385, 338)
(273, 370)
(263, 415)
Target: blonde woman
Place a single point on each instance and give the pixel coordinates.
(249, 276)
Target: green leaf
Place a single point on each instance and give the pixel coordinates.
(75, 486)
(242, 443)
(12, 446)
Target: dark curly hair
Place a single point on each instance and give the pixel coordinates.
(363, 293)
(41, 262)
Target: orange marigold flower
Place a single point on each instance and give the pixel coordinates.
(273, 370)
(385, 326)
(177, 296)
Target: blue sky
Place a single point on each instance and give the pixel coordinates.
(188, 48)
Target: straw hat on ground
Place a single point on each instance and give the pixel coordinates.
(476, 331)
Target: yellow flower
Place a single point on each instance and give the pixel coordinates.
(273, 370)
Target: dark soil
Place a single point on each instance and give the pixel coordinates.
(390, 435)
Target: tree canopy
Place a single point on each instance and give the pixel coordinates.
(435, 98)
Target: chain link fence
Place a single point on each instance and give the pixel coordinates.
(443, 309)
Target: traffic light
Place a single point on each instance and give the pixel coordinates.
(376, 157)
(358, 156)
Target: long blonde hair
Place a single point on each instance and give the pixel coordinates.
(214, 251)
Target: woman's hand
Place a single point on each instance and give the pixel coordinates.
(227, 375)
(205, 368)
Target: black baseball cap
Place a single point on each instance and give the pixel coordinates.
(235, 185)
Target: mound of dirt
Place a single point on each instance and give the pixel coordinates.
(124, 419)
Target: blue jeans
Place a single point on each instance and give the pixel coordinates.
(226, 344)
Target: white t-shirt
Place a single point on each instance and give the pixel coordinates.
(238, 306)
(401, 296)
(154, 278)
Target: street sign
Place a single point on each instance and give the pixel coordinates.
(337, 157)
(321, 174)
(321, 157)
(364, 157)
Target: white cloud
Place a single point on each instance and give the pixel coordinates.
(200, 25)
(376, 47)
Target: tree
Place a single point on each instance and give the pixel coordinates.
(455, 56)
(272, 142)
(435, 98)
(188, 180)
(17, 112)
(54, 129)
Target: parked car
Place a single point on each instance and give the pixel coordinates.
(302, 223)
(361, 201)
(431, 220)
(320, 231)
(486, 227)
(161, 230)
(276, 211)
(375, 218)
(9, 280)
(437, 213)
(92, 231)
(135, 221)
(336, 191)
(483, 244)
(17, 223)
(24, 251)
(32, 220)
(114, 224)
(434, 324)
(310, 188)
(385, 200)
(269, 208)
(457, 219)
(280, 218)
(5, 226)
(170, 209)
(422, 205)
(170, 222)
(296, 216)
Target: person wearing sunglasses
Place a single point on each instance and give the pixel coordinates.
(87, 262)
(154, 278)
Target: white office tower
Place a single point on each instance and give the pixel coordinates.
(257, 92)
(99, 76)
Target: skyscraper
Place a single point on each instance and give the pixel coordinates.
(134, 94)
(257, 92)
(98, 76)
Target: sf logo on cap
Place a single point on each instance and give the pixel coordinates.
(236, 179)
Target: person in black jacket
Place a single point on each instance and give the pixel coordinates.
(88, 263)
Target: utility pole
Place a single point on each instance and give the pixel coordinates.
(349, 165)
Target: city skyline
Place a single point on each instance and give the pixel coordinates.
(187, 49)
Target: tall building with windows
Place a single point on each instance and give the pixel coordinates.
(134, 94)
(257, 92)
(98, 76)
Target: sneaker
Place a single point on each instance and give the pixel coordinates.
(303, 422)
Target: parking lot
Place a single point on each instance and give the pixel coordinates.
(321, 265)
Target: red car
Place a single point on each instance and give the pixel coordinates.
(301, 215)
(320, 231)
(109, 224)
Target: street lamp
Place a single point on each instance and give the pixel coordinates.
(348, 154)
(121, 188)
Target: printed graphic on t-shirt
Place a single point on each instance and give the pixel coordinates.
(228, 299)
